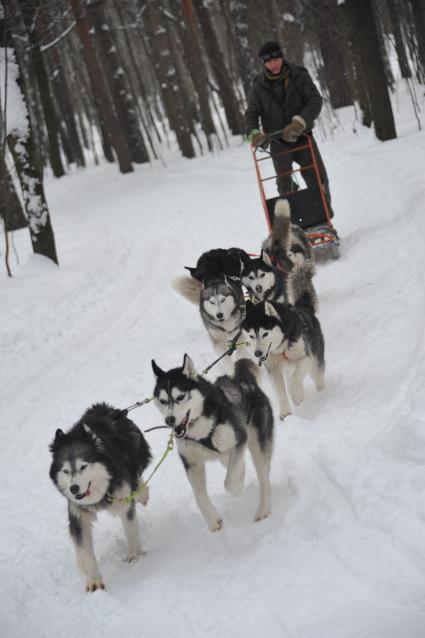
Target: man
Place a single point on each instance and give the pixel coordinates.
(286, 99)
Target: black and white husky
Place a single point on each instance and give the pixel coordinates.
(100, 458)
(285, 333)
(217, 421)
(265, 277)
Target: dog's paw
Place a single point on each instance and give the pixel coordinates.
(262, 513)
(297, 394)
(133, 556)
(234, 489)
(284, 413)
(143, 497)
(235, 484)
(95, 584)
(215, 526)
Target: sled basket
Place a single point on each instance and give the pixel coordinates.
(306, 208)
(309, 208)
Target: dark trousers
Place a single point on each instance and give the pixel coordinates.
(283, 163)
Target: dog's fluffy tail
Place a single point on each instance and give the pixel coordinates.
(301, 291)
(281, 231)
(188, 287)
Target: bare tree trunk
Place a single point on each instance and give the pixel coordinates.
(29, 10)
(101, 95)
(418, 12)
(363, 19)
(10, 206)
(196, 65)
(118, 84)
(324, 20)
(227, 94)
(245, 61)
(165, 69)
(351, 29)
(394, 16)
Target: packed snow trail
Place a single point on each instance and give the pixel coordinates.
(342, 555)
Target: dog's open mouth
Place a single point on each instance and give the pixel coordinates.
(180, 429)
(262, 359)
(86, 493)
(264, 356)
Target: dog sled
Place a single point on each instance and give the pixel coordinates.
(309, 208)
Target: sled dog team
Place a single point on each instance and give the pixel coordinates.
(103, 456)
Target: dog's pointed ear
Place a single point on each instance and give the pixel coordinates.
(156, 369)
(188, 369)
(191, 270)
(56, 441)
(265, 257)
(270, 311)
(96, 440)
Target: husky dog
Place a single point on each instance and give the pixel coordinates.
(219, 262)
(100, 458)
(289, 333)
(217, 421)
(287, 244)
(264, 281)
(221, 304)
(265, 277)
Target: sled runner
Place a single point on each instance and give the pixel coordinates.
(309, 208)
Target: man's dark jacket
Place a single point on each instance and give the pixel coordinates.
(276, 105)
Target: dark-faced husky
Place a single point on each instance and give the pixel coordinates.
(218, 263)
(100, 458)
(265, 277)
(217, 421)
(221, 305)
(285, 333)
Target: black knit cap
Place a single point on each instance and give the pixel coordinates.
(272, 49)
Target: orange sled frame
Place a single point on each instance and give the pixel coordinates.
(309, 208)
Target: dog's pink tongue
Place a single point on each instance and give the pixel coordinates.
(87, 492)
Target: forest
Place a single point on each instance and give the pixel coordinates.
(87, 81)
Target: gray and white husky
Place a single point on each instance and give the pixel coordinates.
(221, 304)
(100, 458)
(285, 333)
(217, 421)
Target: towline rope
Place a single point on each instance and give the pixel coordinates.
(126, 500)
(232, 345)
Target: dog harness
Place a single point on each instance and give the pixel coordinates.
(207, 440)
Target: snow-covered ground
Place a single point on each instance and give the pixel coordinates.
(343, 554)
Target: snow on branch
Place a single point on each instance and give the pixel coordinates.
(45, 47)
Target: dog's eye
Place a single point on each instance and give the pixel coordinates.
(223, 300)
(83, 467)
(265, 334)
(212, 302)
(251, 336)
(251, 277)
(263, 274)
(180, 397)
(163, 402)
(65, 471)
